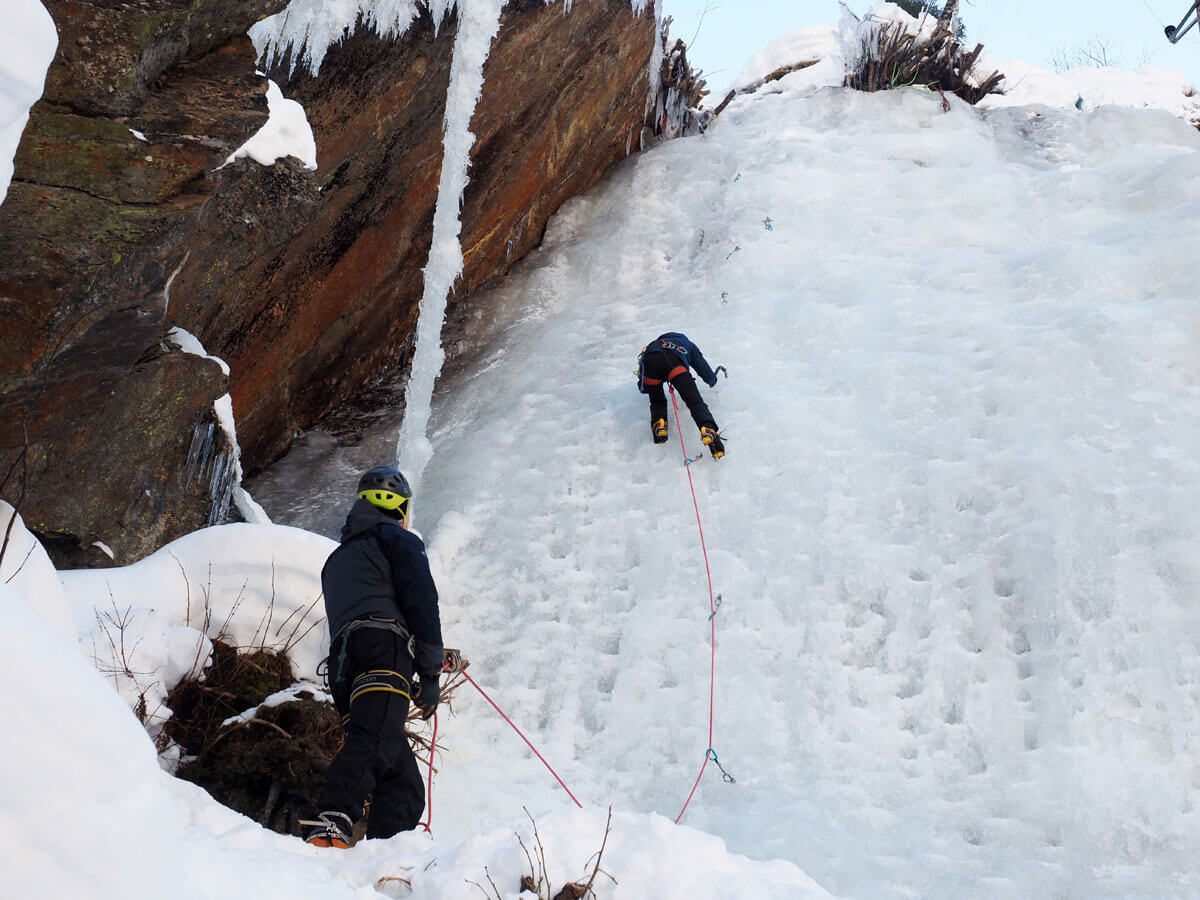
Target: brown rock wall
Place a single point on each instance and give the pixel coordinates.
(306, 283)
(96, 417)
(563, 99)
(328, 311)
(322, 310)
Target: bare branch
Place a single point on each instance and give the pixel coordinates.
(600, 854)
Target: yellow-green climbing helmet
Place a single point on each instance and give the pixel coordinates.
(385, 488)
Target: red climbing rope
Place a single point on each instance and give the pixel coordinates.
(525, 739)
(709, 753)
(712, 607)
(429, 790)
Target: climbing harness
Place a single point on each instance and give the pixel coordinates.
(1176, 32)
(661, 345)
(381, 623)
(374, 681)
(675, 372)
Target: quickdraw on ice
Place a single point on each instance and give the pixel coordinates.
(712, 754)
(716, 606)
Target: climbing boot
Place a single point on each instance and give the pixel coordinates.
(329, 829)
(712, 440)
(659, 430)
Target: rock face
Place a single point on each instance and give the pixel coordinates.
(305, 283)
(97, 415)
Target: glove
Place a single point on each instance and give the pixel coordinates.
(427, 696)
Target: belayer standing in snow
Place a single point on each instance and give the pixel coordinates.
(382, 609)
(665, 360)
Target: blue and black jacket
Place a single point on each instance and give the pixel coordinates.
(688, 354)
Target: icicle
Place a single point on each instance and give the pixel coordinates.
(478, 22)
(210, 463)
(306, 29)
(656, 55)
(219, 454)
(199, 453)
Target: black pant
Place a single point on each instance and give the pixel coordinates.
(376, 759)
(658, 365)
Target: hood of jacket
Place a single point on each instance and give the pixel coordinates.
(362, 516)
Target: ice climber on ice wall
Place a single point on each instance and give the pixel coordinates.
(665, 360)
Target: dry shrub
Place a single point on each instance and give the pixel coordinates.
(538, 883)
(233, 682)
(898, 58)
(266, 766)
(271, 765)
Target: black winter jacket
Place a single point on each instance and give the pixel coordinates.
(380, 569)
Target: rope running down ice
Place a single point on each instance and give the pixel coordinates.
(712, 620)
(713, 605)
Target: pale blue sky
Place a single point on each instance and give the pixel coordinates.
(1036, 30)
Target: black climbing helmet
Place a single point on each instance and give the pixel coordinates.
(387, 489)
